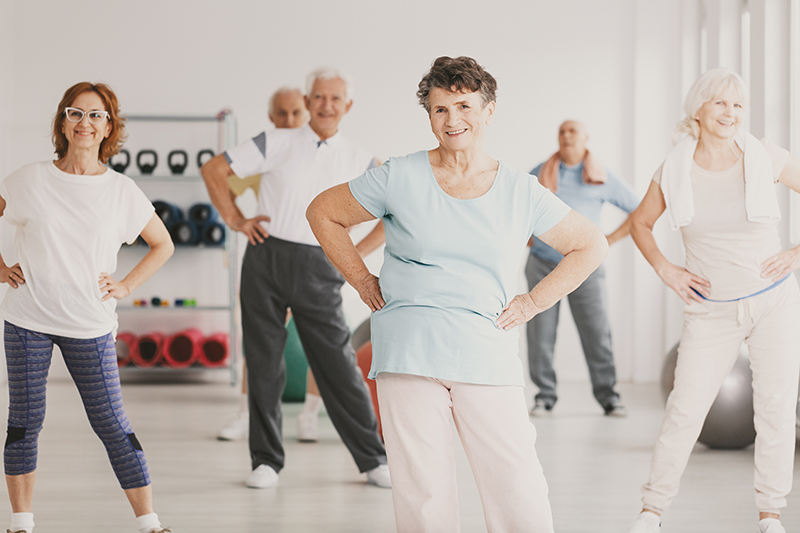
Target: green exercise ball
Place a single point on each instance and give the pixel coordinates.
(296, 366)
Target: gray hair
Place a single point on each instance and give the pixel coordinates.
(708, 86)
(286, 89)
(329, 73)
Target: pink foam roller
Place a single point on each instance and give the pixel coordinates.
(215, 350)
(125, 346)
(183, 349)
(148, 352)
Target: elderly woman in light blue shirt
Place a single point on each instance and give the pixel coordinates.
(445, 308)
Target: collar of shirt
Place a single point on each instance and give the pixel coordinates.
(313, 137)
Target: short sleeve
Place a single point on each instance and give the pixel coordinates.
(548, 210)
(779, 157)
(250, 157)
(371, 188)
(140, 211)
(657, 174)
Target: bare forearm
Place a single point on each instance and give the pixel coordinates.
(642, 235)
(150, 263)
(215, 174)
(372, 240)
(340, 250)
(621, 232)
(571, 271)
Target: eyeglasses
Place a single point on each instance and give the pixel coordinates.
(76, 115)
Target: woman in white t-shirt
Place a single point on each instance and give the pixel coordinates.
(71, 217)
(717, 186)
(446, 308)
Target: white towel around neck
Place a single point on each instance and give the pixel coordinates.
(761, 205)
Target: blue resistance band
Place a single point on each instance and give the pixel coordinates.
(744, 297)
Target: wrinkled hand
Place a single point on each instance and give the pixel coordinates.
(111, 287)
(12, 275)
(252, 227)
(780, 265)
(518, 311)
(684, 283)
(370, 292)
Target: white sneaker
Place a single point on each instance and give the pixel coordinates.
(307, 430)
(379, 476)
(237, 429)
(262, 477)
(770, 525)
(646, 522)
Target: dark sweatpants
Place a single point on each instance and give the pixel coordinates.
(277, 275)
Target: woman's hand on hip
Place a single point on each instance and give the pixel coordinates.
(517, 312)
(780, 265)
(12, 275)
(370, 292)
(684, 283)
(111, 287)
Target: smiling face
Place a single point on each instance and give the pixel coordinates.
(458, 119)
(327, 104)
(84, 135)
(288, 110)
(722, 116)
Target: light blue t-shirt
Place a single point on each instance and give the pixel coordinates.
(586, 199)
(450, 267)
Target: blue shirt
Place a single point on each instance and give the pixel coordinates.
(450, 267)
(586, 199)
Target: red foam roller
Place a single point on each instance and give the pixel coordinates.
(148, 352)
(125, 346)
(183, 348)
(364, 359)
(214, 353)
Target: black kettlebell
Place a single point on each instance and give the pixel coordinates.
(177, 168)
(120, 167)
(146, 168)
(200, 155)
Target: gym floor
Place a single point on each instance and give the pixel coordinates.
(594, 465)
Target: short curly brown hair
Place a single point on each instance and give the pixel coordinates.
(462, 74)
(110, 145)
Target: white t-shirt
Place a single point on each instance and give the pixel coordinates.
(721, 245)
(295, 167)
(69, 229)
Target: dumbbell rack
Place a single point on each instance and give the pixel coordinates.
(216, 304)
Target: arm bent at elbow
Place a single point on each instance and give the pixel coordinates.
(329, 215)
(584, 247)
(161, 249)
(684, 283)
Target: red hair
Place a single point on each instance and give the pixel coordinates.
(110, 145)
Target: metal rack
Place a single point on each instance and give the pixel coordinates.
(225, 138)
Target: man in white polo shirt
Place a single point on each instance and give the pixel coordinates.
(284, 266)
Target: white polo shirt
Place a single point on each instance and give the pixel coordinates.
(295, 166)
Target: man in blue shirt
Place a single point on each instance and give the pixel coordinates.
(577, 179)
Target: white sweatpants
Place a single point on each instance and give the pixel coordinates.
(497, 435)
(712, 333)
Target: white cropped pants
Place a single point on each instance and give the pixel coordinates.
(712, 333)
(497, 435)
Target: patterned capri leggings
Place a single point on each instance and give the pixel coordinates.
(93, 366)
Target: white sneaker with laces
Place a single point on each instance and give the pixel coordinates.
(646, 522)
(379, 476)
(307, 429)
(262, 477)
(770, 525)
(237, 429)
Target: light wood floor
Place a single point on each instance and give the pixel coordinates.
(594, 465)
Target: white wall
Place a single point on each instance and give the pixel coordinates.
(615, 64)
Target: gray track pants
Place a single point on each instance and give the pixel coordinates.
(588, 305)
(276, 275)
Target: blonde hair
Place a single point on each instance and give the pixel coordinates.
(708, 86)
